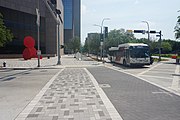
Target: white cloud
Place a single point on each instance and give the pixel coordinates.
(128, 14)
(136, 2)
(152, 25)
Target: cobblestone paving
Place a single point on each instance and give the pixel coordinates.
(71, 96)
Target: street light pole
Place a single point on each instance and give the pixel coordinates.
(38, 25)
(59, 54)
(58, 21)
(148, 29)
(102, 36)
(160, 41)
(58, 12)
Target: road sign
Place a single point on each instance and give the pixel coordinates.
(129, 31)
(38, 52)
(140, 31)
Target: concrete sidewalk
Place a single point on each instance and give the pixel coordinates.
(66, 61)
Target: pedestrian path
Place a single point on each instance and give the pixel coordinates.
(70, 95)
(66, 61)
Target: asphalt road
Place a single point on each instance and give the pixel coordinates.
(136, 99)
(19, 87)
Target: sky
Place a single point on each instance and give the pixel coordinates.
(129, 14)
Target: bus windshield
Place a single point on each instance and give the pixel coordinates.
(139, 52)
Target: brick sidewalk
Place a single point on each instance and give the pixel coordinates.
(70, 95)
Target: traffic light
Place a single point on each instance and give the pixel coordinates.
(105, 32)
(101, 37)
(140, 31)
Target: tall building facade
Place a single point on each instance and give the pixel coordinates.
(72, 20)
(20, 17)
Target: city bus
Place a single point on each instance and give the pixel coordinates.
(130, 54)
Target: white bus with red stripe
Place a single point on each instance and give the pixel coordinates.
(130, 54)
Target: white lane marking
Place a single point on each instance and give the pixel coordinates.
(175, 82)
(156, 77)
(109, 106)
(149, 69)
(162, 72)
(31, 105)
(163, 92)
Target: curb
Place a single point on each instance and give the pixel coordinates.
(28, 68)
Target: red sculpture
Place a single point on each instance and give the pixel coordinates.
(29, 52)
(29, 42)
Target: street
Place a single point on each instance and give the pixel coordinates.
(90, 90)
(135, 99)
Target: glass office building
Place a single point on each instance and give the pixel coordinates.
(72, 19)
(68, 14)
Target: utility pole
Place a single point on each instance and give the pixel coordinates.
(38, 25)
(102, 36)
(160, 46)
(160, 39)
(59, 53)
(148, 30)
(51, 5)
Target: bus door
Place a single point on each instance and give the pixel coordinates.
(127, 57)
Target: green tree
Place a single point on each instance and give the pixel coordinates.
(117, 37)
(92, 43)
(75, 44)
(154, 47)
(166, 47)
(86, 46)
(177, 28)
(5, 34)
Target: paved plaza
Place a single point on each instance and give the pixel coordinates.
(66, 61)
(74, 94)
(70, 96)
